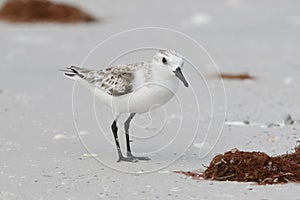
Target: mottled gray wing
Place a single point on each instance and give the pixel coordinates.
(117, 84)
(115, 81)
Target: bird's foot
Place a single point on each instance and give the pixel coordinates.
(129, 155)
(127, 159)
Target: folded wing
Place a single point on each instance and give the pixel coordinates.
(114, 81)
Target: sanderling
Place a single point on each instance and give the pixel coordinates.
(133, 88)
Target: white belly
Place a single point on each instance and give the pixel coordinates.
(143, 99)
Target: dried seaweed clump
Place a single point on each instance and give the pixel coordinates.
(244, 76)
(257, 167)
(42, 11)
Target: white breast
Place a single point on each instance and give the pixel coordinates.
(146, 97)
(147, 94)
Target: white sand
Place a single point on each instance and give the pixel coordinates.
(42, 156)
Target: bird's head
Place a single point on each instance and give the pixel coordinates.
(172, 62)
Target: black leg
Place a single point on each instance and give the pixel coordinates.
(129, 154)
(114, 129)
(126, 126)
(115, 132)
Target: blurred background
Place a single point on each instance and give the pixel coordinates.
(39, 147)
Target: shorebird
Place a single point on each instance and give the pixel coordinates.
(133, 88)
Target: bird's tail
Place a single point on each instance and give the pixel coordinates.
(73, 72)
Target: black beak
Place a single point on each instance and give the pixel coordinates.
(179, 75)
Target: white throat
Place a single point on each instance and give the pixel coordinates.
(164, 78)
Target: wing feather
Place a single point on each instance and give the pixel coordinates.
(115, 81)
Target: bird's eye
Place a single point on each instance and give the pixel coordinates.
(164, 60)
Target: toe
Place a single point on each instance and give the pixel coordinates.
(128, 159)
(140, 157)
